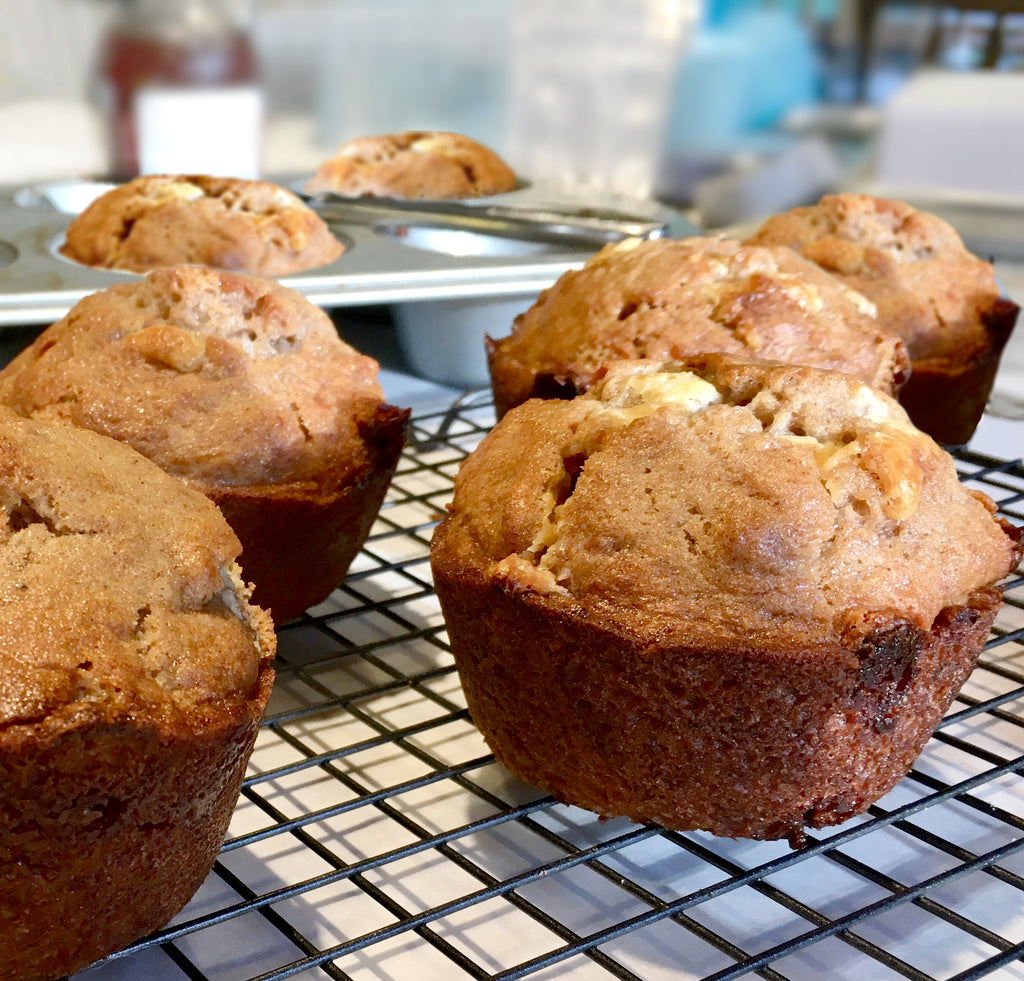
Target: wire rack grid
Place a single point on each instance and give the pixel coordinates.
(377, 838)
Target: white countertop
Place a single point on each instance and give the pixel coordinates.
(1001, 431)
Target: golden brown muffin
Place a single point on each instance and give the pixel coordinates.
(941, 299)
(163, 220)
(133, 676)
(416, 164)
(244, 388)
(670, 298)
(722, 595)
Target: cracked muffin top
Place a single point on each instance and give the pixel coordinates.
(718, 496)
(415, 164)
(119, 584)
(215, 376)
(911, 264)
(162, 220)
(672, 298)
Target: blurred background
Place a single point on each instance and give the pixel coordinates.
(733, 108)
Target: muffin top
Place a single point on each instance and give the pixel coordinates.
(670, 298)
(911, 264)
(162, 220)
(119, 586)
(416, 164)
(720, 496)
(215, 376)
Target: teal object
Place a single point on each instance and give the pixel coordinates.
(815, 11)
(740, 76)
(784, 68)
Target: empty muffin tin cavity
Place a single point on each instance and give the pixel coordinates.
(65, 197)
(460, 242)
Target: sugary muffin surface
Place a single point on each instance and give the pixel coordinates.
(913, 265)
(671, 298)
(414, 164)
(163, 219)
(719, 498)
(720, 595)
(120, 584)
(216, 376)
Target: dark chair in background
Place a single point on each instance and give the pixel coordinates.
(869, 12)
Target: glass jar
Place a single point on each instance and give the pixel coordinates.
(589, 88)
(179, 86)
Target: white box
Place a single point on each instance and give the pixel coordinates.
(955, 131)
(215, 130)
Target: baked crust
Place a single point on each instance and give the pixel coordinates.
(242, 387)
(943, 300)
(420, 164)
(715, 594)
(133, 676)
(299, 539)
(672, 298)
(226, 222)
(744, 742)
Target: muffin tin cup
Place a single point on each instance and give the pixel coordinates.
(382, 264)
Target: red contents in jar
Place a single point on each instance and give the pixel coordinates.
(130, 62)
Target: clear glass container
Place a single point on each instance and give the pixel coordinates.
(590, 82)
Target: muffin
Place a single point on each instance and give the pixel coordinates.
(941, 299)
(718, 594)
(134, 673)
(415, 164)
(242, 387)
(163, 220)
(670, 298)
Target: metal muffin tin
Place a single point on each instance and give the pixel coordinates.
(396, 252)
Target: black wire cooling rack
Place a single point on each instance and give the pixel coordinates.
(376, 838)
